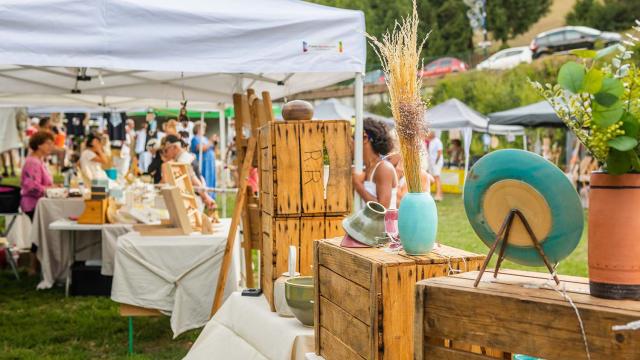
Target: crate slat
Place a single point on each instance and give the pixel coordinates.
(311, 160)
(339, 191)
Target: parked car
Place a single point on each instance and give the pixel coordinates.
(443, 66)
(507, 59)
(569, 38)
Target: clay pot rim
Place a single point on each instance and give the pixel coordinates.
(376, 207)
(603, 178)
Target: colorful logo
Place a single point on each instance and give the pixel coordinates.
(340, 48)
(308, 47)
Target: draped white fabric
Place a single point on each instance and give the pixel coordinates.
(138, 49)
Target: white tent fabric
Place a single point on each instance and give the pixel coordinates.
(333, 109)
(149, 49)
(9, 136)
(454, 114)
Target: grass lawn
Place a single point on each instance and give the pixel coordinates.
(46, 325)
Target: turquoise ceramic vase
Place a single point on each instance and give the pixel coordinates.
(417, 223)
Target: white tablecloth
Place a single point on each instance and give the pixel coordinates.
(54, 246)
(245, 328)
(174, 274)
(19, 234)
(109, 236)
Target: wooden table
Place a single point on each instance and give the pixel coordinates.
(365, 297)
(521, 312)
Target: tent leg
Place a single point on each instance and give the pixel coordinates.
(130, 335)
(359, 131)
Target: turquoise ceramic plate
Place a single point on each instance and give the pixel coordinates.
(519, 179)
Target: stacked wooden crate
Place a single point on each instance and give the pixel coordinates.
(294, 158)
(364, 298)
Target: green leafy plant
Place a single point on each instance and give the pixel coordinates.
(598, 98)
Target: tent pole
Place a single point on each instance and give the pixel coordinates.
(201, 140)
(222, 149)
(359, 131)
(524, 141)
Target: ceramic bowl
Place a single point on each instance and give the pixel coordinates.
(297, 110)
(367, 225)
(299, 294)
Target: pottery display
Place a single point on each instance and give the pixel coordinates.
(417, 223)
(299, 295)
(614, 249)
(367, 225)
(297, 110)
(515, 179)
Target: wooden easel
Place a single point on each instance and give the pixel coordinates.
(502, 237)
(248, 109)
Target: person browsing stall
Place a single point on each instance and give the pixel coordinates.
(174, 151)
(436, 161)
(92, 159)
(35, 179)
(379, 182)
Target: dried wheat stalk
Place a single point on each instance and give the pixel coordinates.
(399, 53)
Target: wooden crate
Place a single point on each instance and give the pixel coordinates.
(365, 297)
(291, 158)
(514, 314)
(281, 232)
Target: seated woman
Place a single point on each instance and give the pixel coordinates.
(35, 180)
(92, 159)
(379, 182)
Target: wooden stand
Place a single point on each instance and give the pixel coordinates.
(95, 212)
(502, 237)
(521, 314)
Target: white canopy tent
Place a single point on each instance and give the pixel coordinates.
(113, 52)
(454, 114)
(333, 109)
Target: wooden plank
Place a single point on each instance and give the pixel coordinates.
(311, 229)
(246, 242)
(419, 339)
(287, 154)
(354, 268)
(316, 298)
(266, 170)
(338, 143)
(441, 353)
(353, 332)
(398, 289)
(286, 233)
(347, 295)
(333, 227)
(375, 313)
(235, 220)
(132, 310)
(311, 161)
(523, 324)
(331, 348)
(268, 106)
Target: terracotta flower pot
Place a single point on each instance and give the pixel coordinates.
(614, 236)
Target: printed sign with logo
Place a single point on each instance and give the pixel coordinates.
(314, 47)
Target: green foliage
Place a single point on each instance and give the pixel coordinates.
(451, 33)
(507, 19)
(490, 91)
(607, 15)
(599, 100)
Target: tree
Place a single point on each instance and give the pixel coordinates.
(609, 15)
(451, 33)
(507, 19)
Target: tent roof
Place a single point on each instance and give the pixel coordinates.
(333, 109)
(540, 114)
(454, 114)
(154, 50)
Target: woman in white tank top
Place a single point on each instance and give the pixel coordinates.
(379, 182)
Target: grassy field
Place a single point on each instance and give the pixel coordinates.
(46, 325)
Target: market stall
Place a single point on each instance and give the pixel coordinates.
(454, 114)
(539, 114)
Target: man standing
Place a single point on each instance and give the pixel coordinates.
(436, 161)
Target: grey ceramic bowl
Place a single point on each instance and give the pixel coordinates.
(367, 225)
(299, 294)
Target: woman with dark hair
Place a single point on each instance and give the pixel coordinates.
(379, 182)
(35, 180)
(92, 159)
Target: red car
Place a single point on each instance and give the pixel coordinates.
(443, 66)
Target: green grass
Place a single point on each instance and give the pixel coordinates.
(46, 325)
